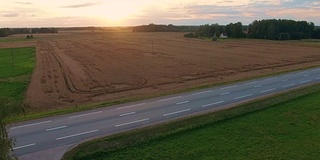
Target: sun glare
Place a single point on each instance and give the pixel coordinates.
(117, 12)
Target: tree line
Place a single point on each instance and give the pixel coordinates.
(164, 28)
(4, 32)
(281, 29)
(271, 29)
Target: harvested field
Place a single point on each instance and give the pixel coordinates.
(79, 68)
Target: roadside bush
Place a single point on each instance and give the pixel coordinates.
(30, 36)
(214, 38)
(190, 35)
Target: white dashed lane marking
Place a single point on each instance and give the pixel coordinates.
(245, 96)
(127, 114)
(257, 86)
(172, 113)
(184, 102)
(56, 128)
(269, 90)
(222, 94)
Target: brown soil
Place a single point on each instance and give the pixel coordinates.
(79, 68)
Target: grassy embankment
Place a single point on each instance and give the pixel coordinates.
(286, 126)
(16, 67)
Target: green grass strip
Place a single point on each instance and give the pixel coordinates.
(16, 67)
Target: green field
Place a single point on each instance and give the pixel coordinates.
(15, 39)
(286, 126)
(16, 66)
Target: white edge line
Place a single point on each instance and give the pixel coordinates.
(33, 124)
(87, 114)
(248, 95)
(24, 146)
(182, 102)
(285, 80)
(211, 104)
(229, 87)
(202, 92)
(306, 81)
(287, 75)
(135, 105)
(169, 98)
(126, 114)
(78, 134)
(168, 114)
(269, 79)
(251, 82)
(318, 78)
(137, 121)
(51, 129)
(288, 85)
(257, 86)
(267, 90)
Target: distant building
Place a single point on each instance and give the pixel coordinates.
(224, 35)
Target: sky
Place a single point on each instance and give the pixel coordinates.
(80, 13)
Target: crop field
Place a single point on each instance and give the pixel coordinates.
(75, 68)
(16, 66)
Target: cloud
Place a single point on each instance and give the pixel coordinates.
(210, 9)
(24, 3)
(10, 15)
(80, 5)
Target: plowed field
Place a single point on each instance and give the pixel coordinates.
(79, 68)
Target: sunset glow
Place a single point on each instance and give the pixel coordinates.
(33, 13)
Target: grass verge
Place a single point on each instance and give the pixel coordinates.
(15, 39)
(286, 126)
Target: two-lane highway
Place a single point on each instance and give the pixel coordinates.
(70, 129)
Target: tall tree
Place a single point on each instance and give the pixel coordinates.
(6, 143)
(271, 32)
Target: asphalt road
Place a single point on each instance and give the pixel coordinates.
(70, 129)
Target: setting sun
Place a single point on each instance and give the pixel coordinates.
(116, 12)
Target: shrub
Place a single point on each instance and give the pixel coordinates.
(214, 38)
(190, 35)
(30, 36)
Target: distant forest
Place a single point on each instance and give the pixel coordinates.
(271, 29)
(4, 32)
(164, 28)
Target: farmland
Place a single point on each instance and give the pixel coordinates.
(76, 68)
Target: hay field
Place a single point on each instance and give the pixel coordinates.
(79, 68)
